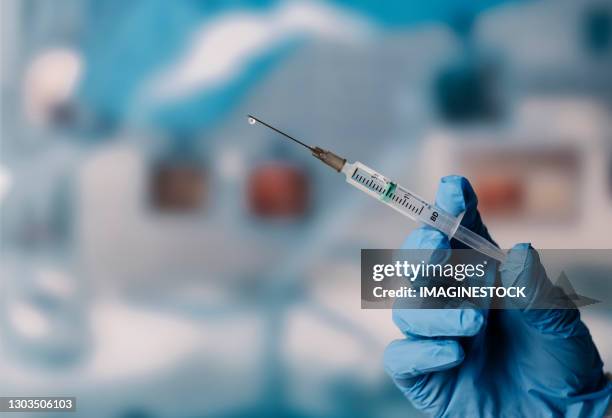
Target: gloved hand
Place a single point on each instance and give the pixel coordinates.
(510, 363)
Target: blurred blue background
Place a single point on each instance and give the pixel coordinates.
(163, 258)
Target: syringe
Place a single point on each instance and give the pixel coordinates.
(398, 198)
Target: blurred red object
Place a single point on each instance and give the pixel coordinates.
(528, 182)
(499, 195)
(278, 190)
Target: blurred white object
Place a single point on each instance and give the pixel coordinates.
(5, 182)
(33, 321)
(231, 164)
(43, 321)
(221, 50)
(50, 80)
(28, 321)
(55, 282)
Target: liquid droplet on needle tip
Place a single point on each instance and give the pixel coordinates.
(252, 121)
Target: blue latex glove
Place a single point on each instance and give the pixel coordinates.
(511, 363)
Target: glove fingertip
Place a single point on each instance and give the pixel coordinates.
(471, 321)
(463, 322)
(519, 258)
(456, 195)
(404, 359)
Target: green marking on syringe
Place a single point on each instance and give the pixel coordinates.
(388, 192)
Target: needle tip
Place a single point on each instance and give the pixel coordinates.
(253, 120)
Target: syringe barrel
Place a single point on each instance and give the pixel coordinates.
(475, 241)
(416, 208)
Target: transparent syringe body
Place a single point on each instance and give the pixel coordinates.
(416, 208)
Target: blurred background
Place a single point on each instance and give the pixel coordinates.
(163, 258)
